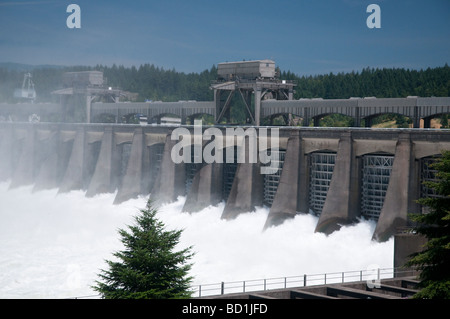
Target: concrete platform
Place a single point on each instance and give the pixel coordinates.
(396, 288)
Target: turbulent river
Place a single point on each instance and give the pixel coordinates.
(54, 245)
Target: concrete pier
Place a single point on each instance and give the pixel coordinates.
(206, 188)
(289, 200)
(247, 190)
(170, 182)
(132, 184)
(396, 204)
(136, 160)
(341, 205)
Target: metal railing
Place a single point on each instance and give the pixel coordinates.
(253, 285)
(298, 281)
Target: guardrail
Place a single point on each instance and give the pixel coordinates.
(370, 275)
(222, 288)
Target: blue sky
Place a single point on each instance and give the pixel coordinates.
(305, 36)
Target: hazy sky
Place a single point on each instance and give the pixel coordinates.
(306, 37)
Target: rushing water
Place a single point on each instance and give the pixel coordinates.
(54, 245)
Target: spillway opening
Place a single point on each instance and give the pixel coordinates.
(17, 150)
(91, 157)
(125, 152)
(156, 153)
(229, 172)
(271, 181)
(376, 172)
(321, 172)
(192, 168)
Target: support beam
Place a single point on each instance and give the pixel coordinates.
(171, 179)
(257, 119)
(247, 190)
(49, 174)
(287, 201)
(103, 180)
(341, 205)
(221, 110)
(24, 171)
(396, 206)
(247, 102)
(73, 177)
(206, 188)
(131, 186)
(6, 152)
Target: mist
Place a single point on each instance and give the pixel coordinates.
(54, 245)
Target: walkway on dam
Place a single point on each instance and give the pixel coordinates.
(395, 288)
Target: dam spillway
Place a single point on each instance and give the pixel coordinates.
(340, 174)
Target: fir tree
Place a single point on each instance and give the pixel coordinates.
(148, 268)
(434, 260)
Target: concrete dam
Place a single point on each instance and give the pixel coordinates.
(339, 174)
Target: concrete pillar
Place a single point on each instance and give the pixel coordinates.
(341, 205)
(49, 174)
(306, 118)
(357, 118)
(88, 108)
(257, 106)
(396, 206)
(171, 180)
(73, 177)
(416, 117)
(6, 151)
(206, 188)
(316, 121)
(24, 171)
(103, 180)
(288, 200)
(247, 190)
(131, 186)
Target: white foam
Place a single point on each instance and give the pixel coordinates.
(54, 245)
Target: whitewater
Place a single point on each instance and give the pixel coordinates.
(54, 245)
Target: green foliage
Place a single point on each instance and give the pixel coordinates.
(444, 121)
(336, 120)
(381, 83)
(434, 260)
(148, 268)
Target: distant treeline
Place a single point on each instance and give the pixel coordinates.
(381, 83)
(154, 83)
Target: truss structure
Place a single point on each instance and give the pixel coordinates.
(321, 172)
(376, 172)
(272, 181)
(252, 93)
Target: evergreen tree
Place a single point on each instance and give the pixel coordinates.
(148, 267)
(434, 260)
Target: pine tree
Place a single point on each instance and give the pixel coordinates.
(434, 260)
(148, 268)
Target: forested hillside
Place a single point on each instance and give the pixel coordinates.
(374, 82)
(155, 83)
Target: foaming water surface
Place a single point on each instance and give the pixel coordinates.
(54, 245)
